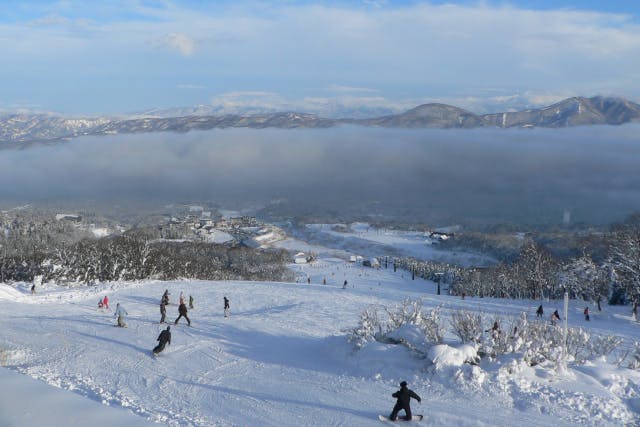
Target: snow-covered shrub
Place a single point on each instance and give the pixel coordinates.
(467, 326)
(578, 343)
(405, 324)
(407, 312)
(603, 345)
(541, 342)
(635, 356)
(433, 326)
(369, 326)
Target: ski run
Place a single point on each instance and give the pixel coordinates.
(282, 357)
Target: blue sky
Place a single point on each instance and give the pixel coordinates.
(80, 57)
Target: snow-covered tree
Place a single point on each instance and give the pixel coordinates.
(625, 261)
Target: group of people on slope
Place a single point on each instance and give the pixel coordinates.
(555, 316)
(165, 335)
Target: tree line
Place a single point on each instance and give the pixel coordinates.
(135, 257)
(536, 273)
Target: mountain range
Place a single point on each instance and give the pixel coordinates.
(20, 128)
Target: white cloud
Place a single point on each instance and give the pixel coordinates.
(343, 88)
(179, 42)
(401, 55)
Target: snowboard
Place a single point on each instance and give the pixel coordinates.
(413, 418)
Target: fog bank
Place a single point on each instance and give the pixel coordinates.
(486, 176)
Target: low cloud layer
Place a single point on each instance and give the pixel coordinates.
(486, 176)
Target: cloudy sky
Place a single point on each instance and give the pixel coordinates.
(80, 57)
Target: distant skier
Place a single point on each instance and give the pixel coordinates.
(555, 317)
(226, 307)
(164, 338)
(163, 312)
(100, 304)
(190, 302)
(539, 311)
(344, 286)
(33, 289)
(404, 396)
(586, 314)
(121, 313)
(105, 302)
(165, 297)
(182, 310)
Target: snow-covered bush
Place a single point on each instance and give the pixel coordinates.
(635, 356)
(408, 312)
(404, 324)
(369, 326)
(467, 325)
(433, 326)
(602, 345)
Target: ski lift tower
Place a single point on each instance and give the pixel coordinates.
(566, 315)
(438, 280)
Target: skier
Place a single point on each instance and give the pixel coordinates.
(105, 302)
(226, 307)
(586, 314)
(121, 313)
(404, 396)
(539, 311)
(165, 297)
(344, 286)
(100, 304)
(190, 302)
(33, 289)
(182, 309)
(181, 298)
(555, 317)
(163, 311)
(164, 338)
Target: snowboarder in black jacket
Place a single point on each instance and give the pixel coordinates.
(182, 309)
(164, 338)
(404, 396)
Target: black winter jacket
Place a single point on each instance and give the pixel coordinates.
(404, 395)
(165, 336)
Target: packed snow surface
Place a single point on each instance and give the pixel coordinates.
(282, 358)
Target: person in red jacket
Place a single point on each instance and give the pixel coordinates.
(404, 396)
(105, 302)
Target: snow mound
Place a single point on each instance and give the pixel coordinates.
(10, 293)
(445, 355)
(410, 335)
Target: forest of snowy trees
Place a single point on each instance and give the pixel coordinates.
(536, 273)
(37, 248)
